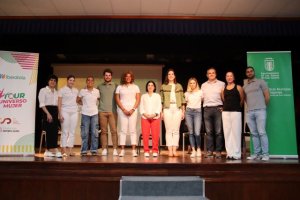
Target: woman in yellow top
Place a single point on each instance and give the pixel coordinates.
(173, 101)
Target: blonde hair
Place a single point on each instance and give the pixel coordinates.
(188, 85)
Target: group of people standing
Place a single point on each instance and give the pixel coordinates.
(220, 103)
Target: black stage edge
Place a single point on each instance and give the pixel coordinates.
(98, 177)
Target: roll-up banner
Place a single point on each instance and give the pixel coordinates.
(276, 69)
(18, 83)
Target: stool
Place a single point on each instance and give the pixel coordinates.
(43, 135)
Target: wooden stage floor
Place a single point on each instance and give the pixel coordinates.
(97, 177)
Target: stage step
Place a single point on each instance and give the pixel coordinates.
(162, 188)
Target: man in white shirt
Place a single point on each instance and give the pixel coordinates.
(88, 98)
(212, 103)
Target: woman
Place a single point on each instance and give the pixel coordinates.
(68, 115)
(193, 115)
(127, 98)
(48, 102)
(150, 109)
(89, 98)
(173, 101)
(233, 97)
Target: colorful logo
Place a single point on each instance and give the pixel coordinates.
(12, 100)
(12, 77)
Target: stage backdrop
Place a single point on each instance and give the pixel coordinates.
(275, 68)
(142, 73)
(18, 81)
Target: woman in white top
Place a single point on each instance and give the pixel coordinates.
(193, 116)
(173, 101)
(48, 103)
(68, 115)
(150, 109)
(127, 98)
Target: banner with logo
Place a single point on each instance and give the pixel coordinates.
(18, 83)
(276, 69)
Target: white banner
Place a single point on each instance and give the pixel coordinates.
(18, 83)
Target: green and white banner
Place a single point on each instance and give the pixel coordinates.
(18, 81)
(276, 69)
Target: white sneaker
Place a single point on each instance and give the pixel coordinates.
(146, 154)
(58, 154)
(198, 154)
(265, 158)
(104, 152)
(155, 154)
(254, 157)
(122, 153)
(134, 154)
(49, 154)
(115, 153)
(193, 154)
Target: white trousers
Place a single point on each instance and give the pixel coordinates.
(172, 120)
(232, 127)
(68, 127)
(127, 125)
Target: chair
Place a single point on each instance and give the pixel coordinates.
(138, 149)
(43, 135)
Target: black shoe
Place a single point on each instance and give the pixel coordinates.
(229, 158)
(209, 154)
(218, 155)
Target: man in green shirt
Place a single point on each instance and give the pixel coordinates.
(107, 112)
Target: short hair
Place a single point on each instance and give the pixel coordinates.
(153, 84)
(212, 69)
(250, 67)
(90, 77)
(123, 77)
(52, 76)
(166, 77)
(188, 85)
(70, 76)
(107, 70)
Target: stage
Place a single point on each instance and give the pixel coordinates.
(97, 177)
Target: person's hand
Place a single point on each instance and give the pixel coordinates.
(49, 118)
(61, 118)
(182, 115)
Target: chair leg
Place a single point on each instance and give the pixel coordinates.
(41, 140)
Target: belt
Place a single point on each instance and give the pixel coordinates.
(172, 102)
(213, 106)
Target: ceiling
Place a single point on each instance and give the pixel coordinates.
(168, 8)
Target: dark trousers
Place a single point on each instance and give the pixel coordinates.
(213, 127)
(51, 128)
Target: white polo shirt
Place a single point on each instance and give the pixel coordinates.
(128, 95)
(47, 97)
(89, 101)
(212, 93)
(68, 100)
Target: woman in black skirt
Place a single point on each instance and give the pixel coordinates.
(48, 98)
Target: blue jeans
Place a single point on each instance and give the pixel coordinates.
(213, 127)
(256, 120)
(193, 120)
(89, 126)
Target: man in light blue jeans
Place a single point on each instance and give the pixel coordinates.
(257, 97)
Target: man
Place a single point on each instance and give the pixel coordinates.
(212, 106)
(107, 112)
(257, 97)
(88, 98)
